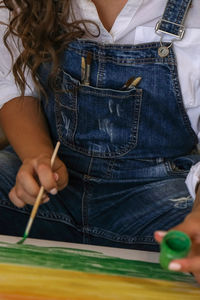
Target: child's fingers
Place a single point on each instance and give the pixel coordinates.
(26, 181)
(46, 176)
(159, 235)
(51, 178)
(19, 197)
(15, 200)
(191, 265)
(63, 178)
(27, 187)
(56, 176)
(190, 226)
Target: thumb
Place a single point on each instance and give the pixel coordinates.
(159, 235)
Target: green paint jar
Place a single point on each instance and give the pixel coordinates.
(175, 245)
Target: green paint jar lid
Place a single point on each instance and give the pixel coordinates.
(175, 245)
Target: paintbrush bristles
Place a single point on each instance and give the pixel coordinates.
(38, 200)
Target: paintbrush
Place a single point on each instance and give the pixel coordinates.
(131, 82)
(38, 200)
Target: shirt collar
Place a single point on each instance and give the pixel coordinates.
(85, 9)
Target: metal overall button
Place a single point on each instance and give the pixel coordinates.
(163, 51)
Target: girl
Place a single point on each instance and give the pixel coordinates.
(103, 78)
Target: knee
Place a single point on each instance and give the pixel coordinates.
(9, 164)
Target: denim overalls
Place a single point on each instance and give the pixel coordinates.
(127, 147)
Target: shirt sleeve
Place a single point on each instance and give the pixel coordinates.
(8, 87)
(193, 179)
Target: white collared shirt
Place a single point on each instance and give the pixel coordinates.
(134, 25)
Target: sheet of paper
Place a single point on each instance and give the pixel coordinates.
(53, 270)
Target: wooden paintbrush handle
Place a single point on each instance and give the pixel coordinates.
(40, 194)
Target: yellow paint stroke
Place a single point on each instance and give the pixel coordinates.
(35, 283)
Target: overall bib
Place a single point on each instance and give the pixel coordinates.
(127, 148)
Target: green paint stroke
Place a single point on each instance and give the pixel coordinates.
(86, 261)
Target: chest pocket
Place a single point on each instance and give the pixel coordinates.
(95, 121)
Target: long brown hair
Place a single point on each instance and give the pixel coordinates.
(44, 31)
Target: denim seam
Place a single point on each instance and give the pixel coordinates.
(137, 95)
(76, 118)
(98, 56)
(179, 98)
(110, 168)
(119, 238)
(85, 217)
(173, 173)
(131, 62)
(90, 166)
(62, 105)
(104, 47)
(45, 216)
(84, 214)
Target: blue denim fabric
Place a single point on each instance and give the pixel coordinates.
(109, 211)
(103, 120)
(127, 151)
(174, 16)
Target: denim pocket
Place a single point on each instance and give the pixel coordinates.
(96, 121)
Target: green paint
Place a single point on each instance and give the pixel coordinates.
(175, 245)
(86, 261)
(22, 240)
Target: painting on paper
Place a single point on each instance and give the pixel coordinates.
(36, 272)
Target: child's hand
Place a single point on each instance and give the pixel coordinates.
(34, 173)
(191, 226)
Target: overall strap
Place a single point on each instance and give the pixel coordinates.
(172, 21)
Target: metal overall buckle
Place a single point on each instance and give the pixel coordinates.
(163, 51)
